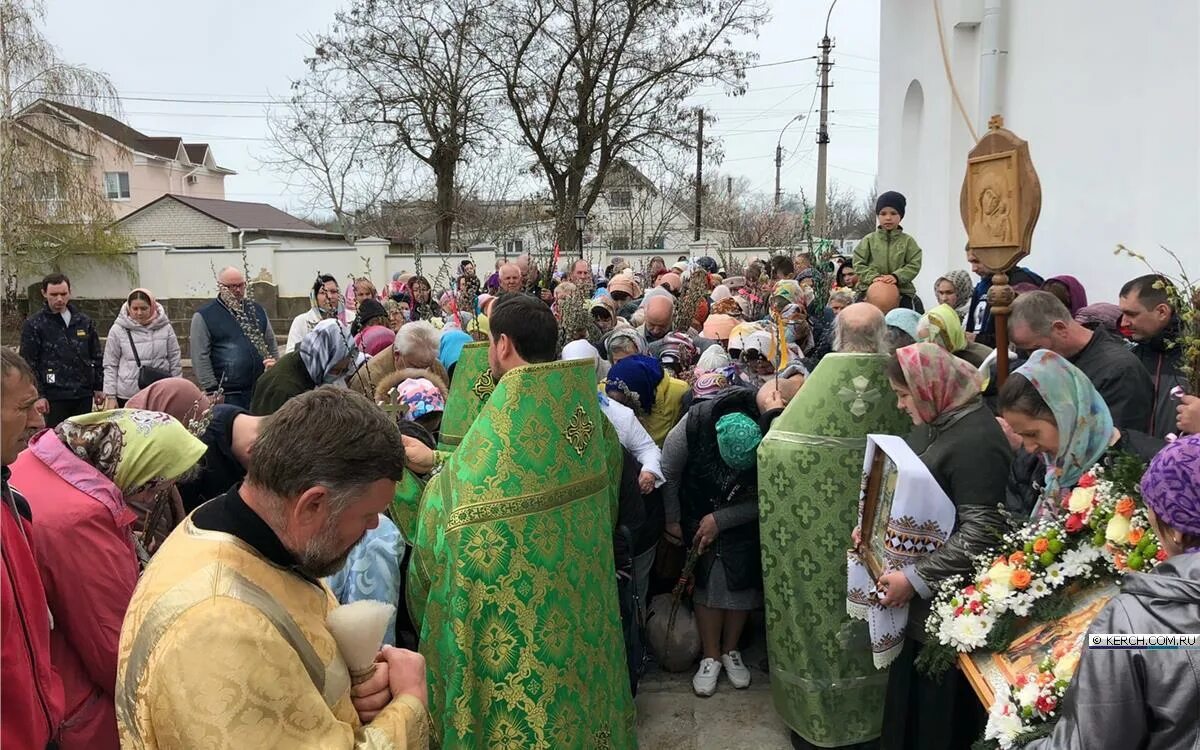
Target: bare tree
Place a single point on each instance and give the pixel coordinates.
(333, 165)
(51, 203)
(411, 71)
(589, 81)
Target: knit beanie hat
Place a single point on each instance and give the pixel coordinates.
(891, 199)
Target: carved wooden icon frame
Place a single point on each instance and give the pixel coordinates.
(1001, 198)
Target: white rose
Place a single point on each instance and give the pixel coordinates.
(1065, 667)
(1081, 499)
(1117, 531)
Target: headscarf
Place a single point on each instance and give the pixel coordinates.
(962, 288)
(1085, 425)
(421, 397)
(450, 346)
(904, 319)
(807, 273)
(940, 382)
(738, 437)
(179, 397)
(746, 336)
(483, 301)
(338, 312)
(720, 292)
(714, 358)
(154, 306)
(680, 347)
(325, 345)
(1102, 314)
(729, 307)
(673, 281)
(789, 290)
(422, 310)
(621, 332)
(374, 339)
(137, 450)
(1171, 485)
(709, 384)
(719, 326)
(582, 349)
(638, 377)
(1075, 292)
(943, 327)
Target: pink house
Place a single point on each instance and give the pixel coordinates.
(131, 169)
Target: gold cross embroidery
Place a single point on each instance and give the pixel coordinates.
(579, 430)
(484, 385)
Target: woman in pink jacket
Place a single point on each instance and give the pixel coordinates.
(78, 479)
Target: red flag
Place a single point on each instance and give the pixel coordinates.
(557, 251)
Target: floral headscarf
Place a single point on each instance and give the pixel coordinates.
(727, 306)
(789, 290)
(136, 450)
(637, 377)
(420, 396)
(738, 437)
(325, 345)
(178, 397)
(943, 327)
(1171, 485)
(940, 382)
(679, 348)
(1085, 425)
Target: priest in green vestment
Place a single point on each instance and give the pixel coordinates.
(823, 682)
(470, 387)
(512, 584)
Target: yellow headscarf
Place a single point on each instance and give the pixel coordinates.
(135, 449)
(942, 326)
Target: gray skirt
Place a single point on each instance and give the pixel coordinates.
(717, 595)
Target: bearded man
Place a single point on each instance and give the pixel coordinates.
(225, 643)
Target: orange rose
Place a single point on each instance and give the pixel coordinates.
(1125, 507)
(1040, 545)
(1045, 678)
(1135, 535)
(1021, 578)
(1016, 559)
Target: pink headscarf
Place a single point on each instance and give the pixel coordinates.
(940, 382)
(374, 339)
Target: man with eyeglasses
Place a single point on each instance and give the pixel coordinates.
(232, 343)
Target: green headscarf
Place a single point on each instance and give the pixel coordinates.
(135, 449)
(738, 437)
(943, 327)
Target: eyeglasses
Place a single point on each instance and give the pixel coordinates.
(232, 287)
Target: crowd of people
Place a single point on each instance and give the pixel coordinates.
(519, 464)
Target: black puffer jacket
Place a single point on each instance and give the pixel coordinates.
(67, 359)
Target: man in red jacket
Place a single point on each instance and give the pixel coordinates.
(32, 704)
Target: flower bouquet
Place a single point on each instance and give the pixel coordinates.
(1033, 701)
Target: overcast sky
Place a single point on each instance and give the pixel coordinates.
(234, 56)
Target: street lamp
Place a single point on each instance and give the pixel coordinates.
(779, 157)
(580, 223)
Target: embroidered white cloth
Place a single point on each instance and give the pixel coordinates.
(919, 519)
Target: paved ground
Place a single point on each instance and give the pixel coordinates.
(672, 717)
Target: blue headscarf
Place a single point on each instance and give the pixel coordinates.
(451, 345)
(904, 319)
(638, 376)
(1085, 425)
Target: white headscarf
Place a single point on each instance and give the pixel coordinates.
(581, 349)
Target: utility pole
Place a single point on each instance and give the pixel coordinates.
(778, 166)
(729, 187)
(819, 222)
(699, 168)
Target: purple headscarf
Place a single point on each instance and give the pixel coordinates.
(1100, 315)
(1171, 485)
(1075, 291)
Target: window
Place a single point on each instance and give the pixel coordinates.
(43, 186)
(116, 186)
(619, 199)
(514, 247)
(620, 242)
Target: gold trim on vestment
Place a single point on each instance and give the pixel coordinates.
(827, 441)
(524, 505)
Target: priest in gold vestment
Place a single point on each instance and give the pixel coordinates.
(225, 643)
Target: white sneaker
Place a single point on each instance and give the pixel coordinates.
(705, 681)
(738, 674)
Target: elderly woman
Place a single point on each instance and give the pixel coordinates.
(183, 400)
(711, 503)
(967, 454)
(399, 309)
(80, 480)
(639, 382)
(1146, 698)
(622, 342)
(324, 356)
(141, 337)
